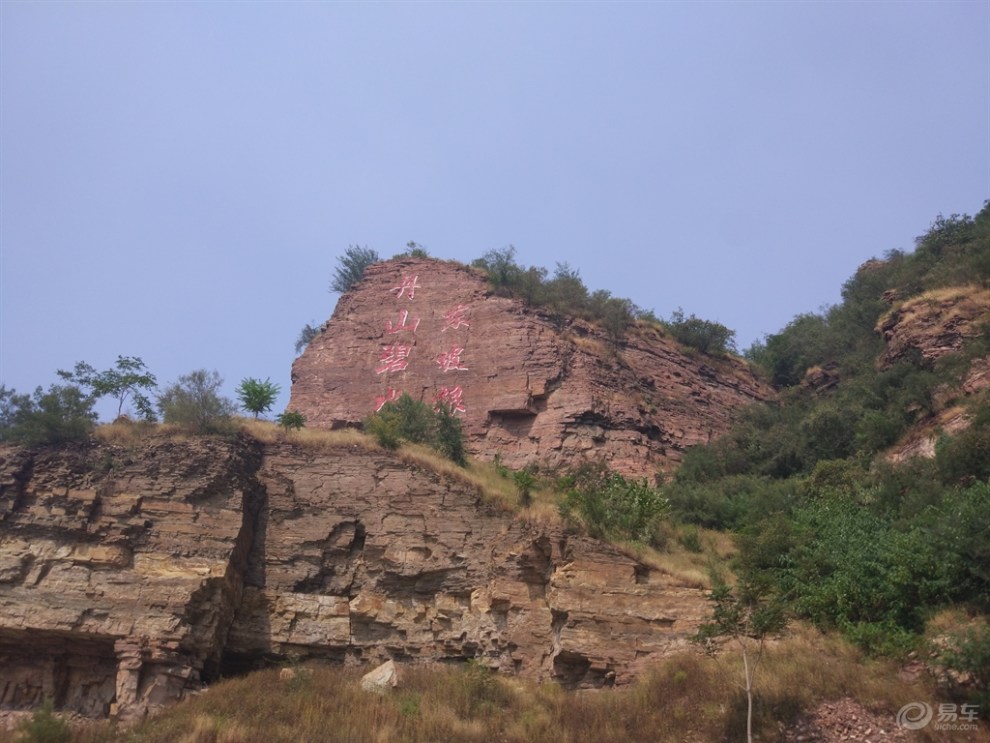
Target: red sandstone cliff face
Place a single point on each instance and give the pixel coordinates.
(131, 574)
(525, 389)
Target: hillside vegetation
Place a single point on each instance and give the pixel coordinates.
(854, 540)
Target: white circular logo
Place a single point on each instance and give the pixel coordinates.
(914, 716)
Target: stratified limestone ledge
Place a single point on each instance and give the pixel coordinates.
(129, 576)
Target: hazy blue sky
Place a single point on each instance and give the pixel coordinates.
(177, 179)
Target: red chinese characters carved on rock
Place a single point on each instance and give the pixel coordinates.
(451, 360)
(407, 287)
(394, 358)
(404, 324)
(455, 317)
(453, 398)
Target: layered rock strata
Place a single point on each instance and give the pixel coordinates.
(528, 386)
(130, 575)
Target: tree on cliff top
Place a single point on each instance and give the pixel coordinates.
(256, 396)
(129, 378)
(351, 266)
(195, 402)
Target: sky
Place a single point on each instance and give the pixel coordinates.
(179, 179)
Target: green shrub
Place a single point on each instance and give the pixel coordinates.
(351, 267)
(384, 427)
(60, 414)
(448, 435)
(195, 403)
(412, 420)
(44, 727)
(709, 337)
(613, 507)
(129, 379)
(291, 420)
(525, 481)
(965, 457)
(306, 335)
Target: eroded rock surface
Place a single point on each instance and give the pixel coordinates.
(934, 324)
(120, 570)
(527, 387)
(129, 575)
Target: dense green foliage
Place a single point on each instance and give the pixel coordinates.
(613, 507)
(257, 397)
(129, 378)
(706, 336)
(194, 402)
(64, 412)
(351, 266)
(954, 252)
(853, 543)
(564, 296)
(406, 419)
(59, 414)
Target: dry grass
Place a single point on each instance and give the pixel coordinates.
(693, 567)
(952, 301)
(131, 433)
(310, 439)
(688, 697)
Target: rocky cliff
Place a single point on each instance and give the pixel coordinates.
(131, 574)
(527, 387)
(930, 326)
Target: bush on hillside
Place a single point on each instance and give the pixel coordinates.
(711, 338)
(351, 267)
(59, 414)
(194, 402)
(406, 419)
(564, 296)
(612, 507)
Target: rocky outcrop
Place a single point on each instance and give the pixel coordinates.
(925, 329)
(130, 575)
(934, 324)
(120, 570)
(527, 386)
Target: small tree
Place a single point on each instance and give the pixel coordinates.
(525, 482)
(745, 617)
(307, 334)
(196, 403)
(502, 269)
(709, 337)
(129, 378)
(291, 420)
(448, 437)
(351, 266)
(256, 396)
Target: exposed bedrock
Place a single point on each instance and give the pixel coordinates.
(531, 387)
(132, 575)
